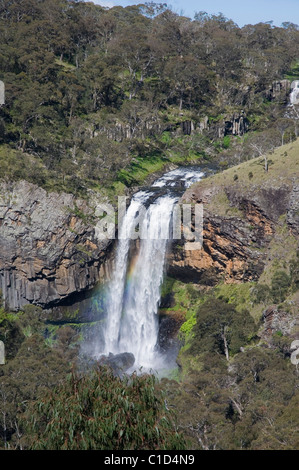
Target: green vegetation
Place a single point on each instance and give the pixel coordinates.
(46, 402)
(293, 74)
(280, 285)
(139, 170)
(284, 166)
(236, 389)
(221, 329)
(238, 295)
(101, 411)
(100, 98)
(31, 368)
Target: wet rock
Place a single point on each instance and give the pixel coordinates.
(119, 363)
(169, 326)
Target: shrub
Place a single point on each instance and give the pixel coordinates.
(280, 285)
(261, 293)
(99, 411)
(294, 272)
(221, 329)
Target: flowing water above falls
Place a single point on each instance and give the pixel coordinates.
(133, 293)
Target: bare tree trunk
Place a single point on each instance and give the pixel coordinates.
(19, 435)
(225, 343)
(4, 427)
(181, 104)
(238, 407)
(266, 163)
(203, 444)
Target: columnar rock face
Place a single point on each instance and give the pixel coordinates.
(279, 89)
(48, 247)
(236, 124)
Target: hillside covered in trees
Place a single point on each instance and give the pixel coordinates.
(100, 97)
(99, 101)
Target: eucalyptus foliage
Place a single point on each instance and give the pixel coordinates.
(98, 410)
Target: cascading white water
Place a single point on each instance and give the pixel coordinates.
(115, 295)
(134, 290)
(294, 95)
(139, 328)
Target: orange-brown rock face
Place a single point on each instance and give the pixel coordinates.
(234, 246)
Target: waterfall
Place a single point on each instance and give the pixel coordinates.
(133, 295)
(294, 95)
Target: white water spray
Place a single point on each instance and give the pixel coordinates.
(134, 291)
(294, 95)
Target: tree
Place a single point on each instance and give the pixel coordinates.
(220, 328)
(282, 125)
(152, 9)
(130, 48)
(188, 81)
(101, 83)
(261, 294)
(280, 285)
(99, 411)
(35, 368)
(261, 144)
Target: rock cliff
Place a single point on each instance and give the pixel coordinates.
(48, 246)
(49, 251)
(243, 209)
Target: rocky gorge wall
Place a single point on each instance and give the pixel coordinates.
(48, 246)
(50, 252)
(240, 221)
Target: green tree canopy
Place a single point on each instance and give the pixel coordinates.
(99, 411)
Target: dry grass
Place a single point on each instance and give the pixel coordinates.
(283, 168)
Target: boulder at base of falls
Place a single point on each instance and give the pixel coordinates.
(119, 363)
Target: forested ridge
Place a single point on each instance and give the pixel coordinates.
(99, 97)
(97, 100)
